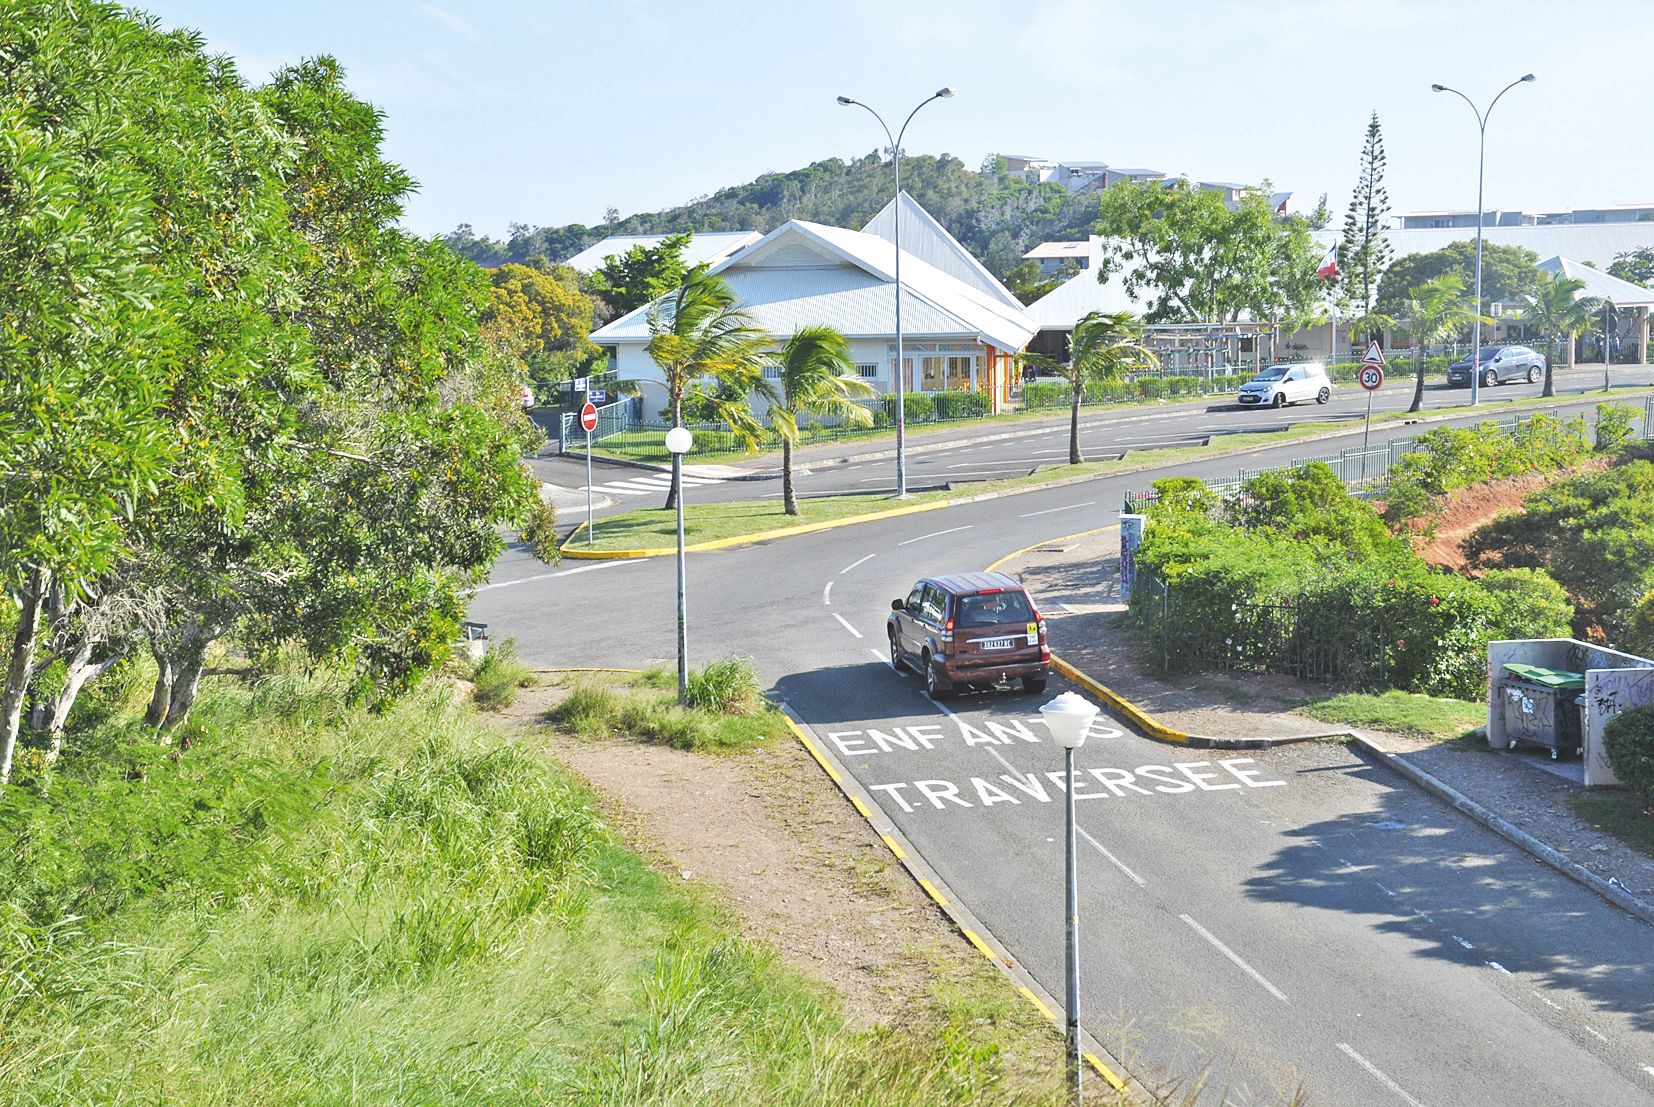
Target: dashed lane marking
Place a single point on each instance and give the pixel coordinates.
(853, 564)
(827, 593)
(558, 573)
(1119, 864)
(1377, 1075)
(936, 534)
(1462, 942)
(1595, 1034)
(1501, 968)
(845, 623)
(1054, 510)
(1236, 958)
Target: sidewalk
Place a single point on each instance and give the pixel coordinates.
(1076, 582)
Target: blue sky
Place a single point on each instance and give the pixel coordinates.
(547, 113)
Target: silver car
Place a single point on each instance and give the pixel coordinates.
(1499, 364)
(1286, 384)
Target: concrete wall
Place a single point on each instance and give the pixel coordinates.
(1613, 682)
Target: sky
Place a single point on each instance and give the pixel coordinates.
(548, 113)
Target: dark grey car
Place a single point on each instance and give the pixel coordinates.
(1499, 364)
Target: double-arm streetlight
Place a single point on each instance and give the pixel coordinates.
(1481, 158)
(896, 369)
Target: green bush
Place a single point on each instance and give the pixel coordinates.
(728, 687)
(917, 407)
(961, 405)
(1629, 741)
(1041, 394)
(1614, 425)
(1449, 458)
(498, 676)
(1637, 623)
(541, 533)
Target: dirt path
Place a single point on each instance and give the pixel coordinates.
(1469, 508)
(776, 842)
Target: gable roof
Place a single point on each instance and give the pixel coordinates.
(1081, 294)
(806, 273)
(1600, 285)
(926, 239)
(711, 246)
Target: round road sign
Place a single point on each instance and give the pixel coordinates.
(588, 418)
(1371, 377)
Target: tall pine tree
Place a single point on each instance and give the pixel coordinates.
(1365, 252)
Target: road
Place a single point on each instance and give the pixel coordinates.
(1299, 921)
(1104, 433)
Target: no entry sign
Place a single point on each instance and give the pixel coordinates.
(588, 418)
(1371, 377)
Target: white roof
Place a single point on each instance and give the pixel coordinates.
(1082, 294)
(926, 239)
(1597, 243)
(805, 273)
(713, 247)
(1062, 250)
(1599, 285)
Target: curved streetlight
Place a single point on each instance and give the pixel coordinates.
(896, 368)
(1481, 123)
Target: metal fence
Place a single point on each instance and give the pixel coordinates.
(612, 419)
(1364, 471)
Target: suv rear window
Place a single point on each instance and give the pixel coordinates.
(986, 609)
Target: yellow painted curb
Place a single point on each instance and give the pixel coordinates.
(1105, 1072)
(1039, 1004)
(1139, 718)
(744, 539)
(981, 947)
(804, 740)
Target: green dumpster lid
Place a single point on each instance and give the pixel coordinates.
(1550, 678)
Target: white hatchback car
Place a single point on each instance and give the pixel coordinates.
(1279, 385)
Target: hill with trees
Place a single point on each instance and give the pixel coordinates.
(995, 214)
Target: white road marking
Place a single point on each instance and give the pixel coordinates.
(827, 593)
(1119, 864)
(1462, 942)
(656, 483)
(1235, 957)
(1548, 1000)
(853, 564)
(1383, 889)
(1054, 510)
(936, 534)
(846, 625)
(1501, 968)
(1595, 1035)
(1649, 1069)
(884, 658)
(1379, 1076)
(995, 465)
(562, 573)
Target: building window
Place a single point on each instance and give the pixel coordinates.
(868, 371)
(931, 369)
(772, 372)
(959, 373)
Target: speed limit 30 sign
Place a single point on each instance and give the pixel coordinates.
(1371, 377)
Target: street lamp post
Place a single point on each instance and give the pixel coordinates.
(1069, 717)
(896, 368)
(1481, 158)
(679, 441)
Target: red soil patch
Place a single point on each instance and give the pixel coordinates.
(1469, 508)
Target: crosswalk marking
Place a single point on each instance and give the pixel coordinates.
(646, 486)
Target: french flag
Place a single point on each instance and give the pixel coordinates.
(1329, 264)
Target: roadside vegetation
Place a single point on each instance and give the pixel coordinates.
(299, 901)
(498, 676)
(726, 709)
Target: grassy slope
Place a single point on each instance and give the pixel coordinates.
(314, 905)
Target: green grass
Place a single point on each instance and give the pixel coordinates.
(1401, 713)
(1621, 813)
(498, 676)
(654, 528)
(727, 712)
(311, 904)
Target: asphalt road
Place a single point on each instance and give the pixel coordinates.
(1103, 433)
(1298, 921)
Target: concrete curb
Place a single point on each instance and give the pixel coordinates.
(946, 901)
(1398, 764)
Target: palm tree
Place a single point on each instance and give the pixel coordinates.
(1104, 347)
(1434, 310)
(1558, 309)
(815, 370)
(710, 353)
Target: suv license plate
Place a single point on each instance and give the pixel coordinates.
(995, 643)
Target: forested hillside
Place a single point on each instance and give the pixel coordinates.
(996, 215)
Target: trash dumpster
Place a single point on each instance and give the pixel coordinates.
(1542, 707)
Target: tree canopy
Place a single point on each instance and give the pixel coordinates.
(1197, 259)
(1364, 251)
(543, 311)
(1508, 273)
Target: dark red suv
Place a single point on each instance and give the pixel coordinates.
(970, 629)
